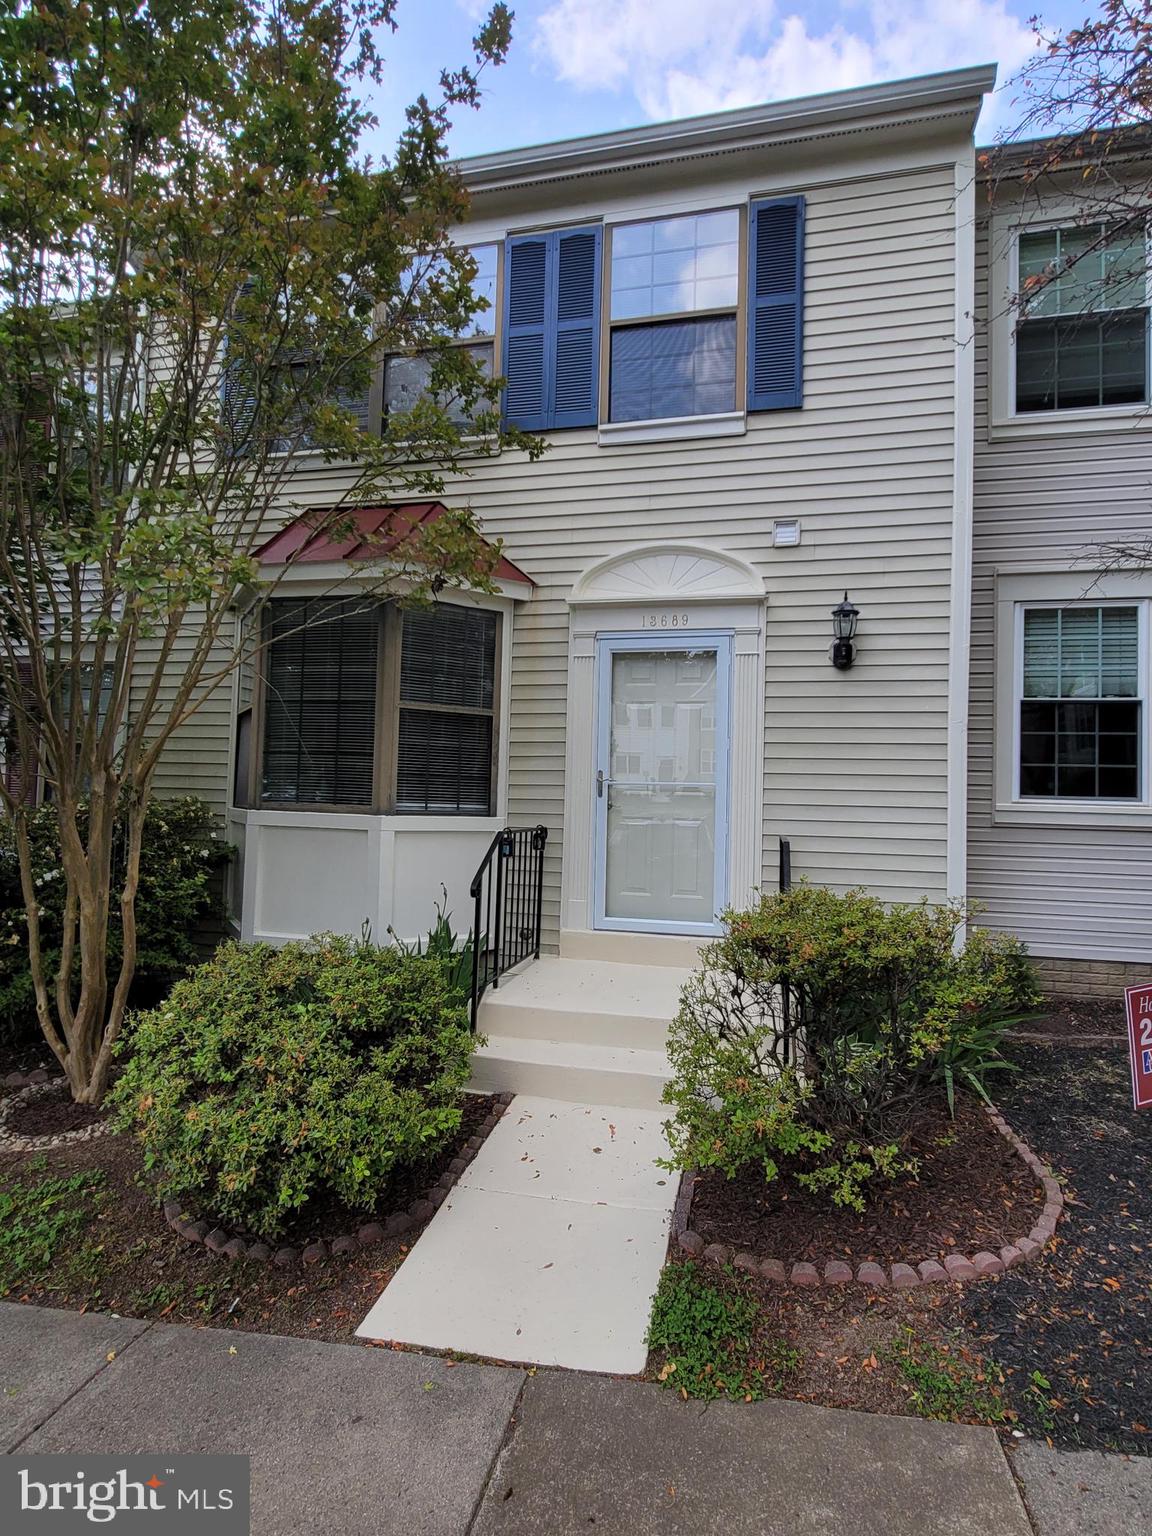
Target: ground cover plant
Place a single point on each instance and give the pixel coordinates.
(41, 1221)
(819, 1028)
(271, 1079)
(710, 1339)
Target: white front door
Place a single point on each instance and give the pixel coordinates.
(661, 787)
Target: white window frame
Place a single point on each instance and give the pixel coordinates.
(1004, 234)
(1016, 592)
(731, 423)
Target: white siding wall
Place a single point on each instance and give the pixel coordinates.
(855, 763)
(1078, 892)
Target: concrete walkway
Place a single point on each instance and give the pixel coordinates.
(549, 1249)
(348, 1441)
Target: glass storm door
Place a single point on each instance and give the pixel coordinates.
(662, 783)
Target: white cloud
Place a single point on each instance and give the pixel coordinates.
(680, 57)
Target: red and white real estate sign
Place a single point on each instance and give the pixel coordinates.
(1138, 1004)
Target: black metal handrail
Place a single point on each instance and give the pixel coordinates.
(507, 893)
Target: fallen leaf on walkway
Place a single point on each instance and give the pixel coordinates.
(110, 1356)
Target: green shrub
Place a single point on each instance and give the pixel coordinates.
(181, 856)
(819, 1027)
(271, 1077)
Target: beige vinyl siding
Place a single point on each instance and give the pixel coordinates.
(1075, 891)
(196, 760)
(855, 763)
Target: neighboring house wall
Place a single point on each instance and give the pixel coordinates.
(1075, 884)
(856, 764)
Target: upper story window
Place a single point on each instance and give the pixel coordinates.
(1082, 340)
(407, 376)
(1081, 703)
(680, 277)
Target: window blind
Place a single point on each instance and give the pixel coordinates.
(320, 709)
(447, 704)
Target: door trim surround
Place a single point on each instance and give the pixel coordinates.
(730, 602)
(607, 646)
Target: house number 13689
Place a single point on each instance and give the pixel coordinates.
(665, 621)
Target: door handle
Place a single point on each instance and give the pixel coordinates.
(599, 783)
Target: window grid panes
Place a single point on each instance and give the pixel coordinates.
(674, 368)
(686, 266)
(320, 703)
(1082, 338)
(1081, 713)
(323, 691)
(675, 266)
(447, 711)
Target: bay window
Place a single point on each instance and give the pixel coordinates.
(368, 706)
(673, 317)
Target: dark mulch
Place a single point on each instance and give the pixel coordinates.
(972, 1192)
(1090, 1016)
(1082, 1317)
(26, 1056)
(132, 1263)
(51, 1112)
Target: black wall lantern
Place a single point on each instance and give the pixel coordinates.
(844, 617)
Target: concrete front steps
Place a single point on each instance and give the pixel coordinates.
(587, 1031)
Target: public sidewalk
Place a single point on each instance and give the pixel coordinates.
(347, 1440)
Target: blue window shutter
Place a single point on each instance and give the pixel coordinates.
(776, 304)
(552, 329)
(577, 347)
(528, 336)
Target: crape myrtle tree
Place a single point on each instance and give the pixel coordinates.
(199, 272)
(1083, 135)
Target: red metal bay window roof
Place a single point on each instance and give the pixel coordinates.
(361, 533)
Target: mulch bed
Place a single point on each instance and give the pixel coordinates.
(1090, 1016)
(51, 1113)
(1061, 1346)
(972, 1193)
(1081, 1318)
(132, 1263)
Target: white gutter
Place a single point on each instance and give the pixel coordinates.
(958, 90)
(959, 638)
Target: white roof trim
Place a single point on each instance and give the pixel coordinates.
(959, 90)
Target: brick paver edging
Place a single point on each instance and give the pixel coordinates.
(226, 1244)
(900, 1276)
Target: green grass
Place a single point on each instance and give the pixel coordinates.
(949, 1384)
(708, 1332)
(40, 1221)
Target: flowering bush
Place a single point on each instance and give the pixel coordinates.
(181, 856)
(271, 1077)
(821, 1025)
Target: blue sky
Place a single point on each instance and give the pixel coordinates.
(586, 66)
